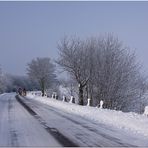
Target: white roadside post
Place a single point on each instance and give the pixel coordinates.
(72, 100)
(64, 98)
(88, 103)
(52, 96)
(146, 111)
(101, 104)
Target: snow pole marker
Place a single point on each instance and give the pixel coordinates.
(88, 103)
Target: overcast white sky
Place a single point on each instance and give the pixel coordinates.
(32, 29)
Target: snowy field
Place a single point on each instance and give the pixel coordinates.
(130, 122)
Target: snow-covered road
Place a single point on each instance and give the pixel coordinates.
(19, 128)
(44, 125)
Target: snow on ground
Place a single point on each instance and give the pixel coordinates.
(132, 122)
(19, 128)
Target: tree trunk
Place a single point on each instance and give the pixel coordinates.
(43, 93)
(43, 88)
(80, 94)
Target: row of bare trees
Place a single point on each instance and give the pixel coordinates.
(104, 70)
(41, 72)
(11, 83)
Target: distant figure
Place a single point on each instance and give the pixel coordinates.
(24, 92)
(19, 91)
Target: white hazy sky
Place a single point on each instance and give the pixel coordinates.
(32, 29)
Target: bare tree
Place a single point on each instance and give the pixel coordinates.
(116, 75)
(104, 69)
(74, 58)
(43, 71)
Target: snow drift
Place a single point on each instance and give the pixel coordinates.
(132, 122)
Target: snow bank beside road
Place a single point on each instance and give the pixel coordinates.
(127, 121)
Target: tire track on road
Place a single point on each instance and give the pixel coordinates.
(118, 141)
(53, 131)
(12, 131)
